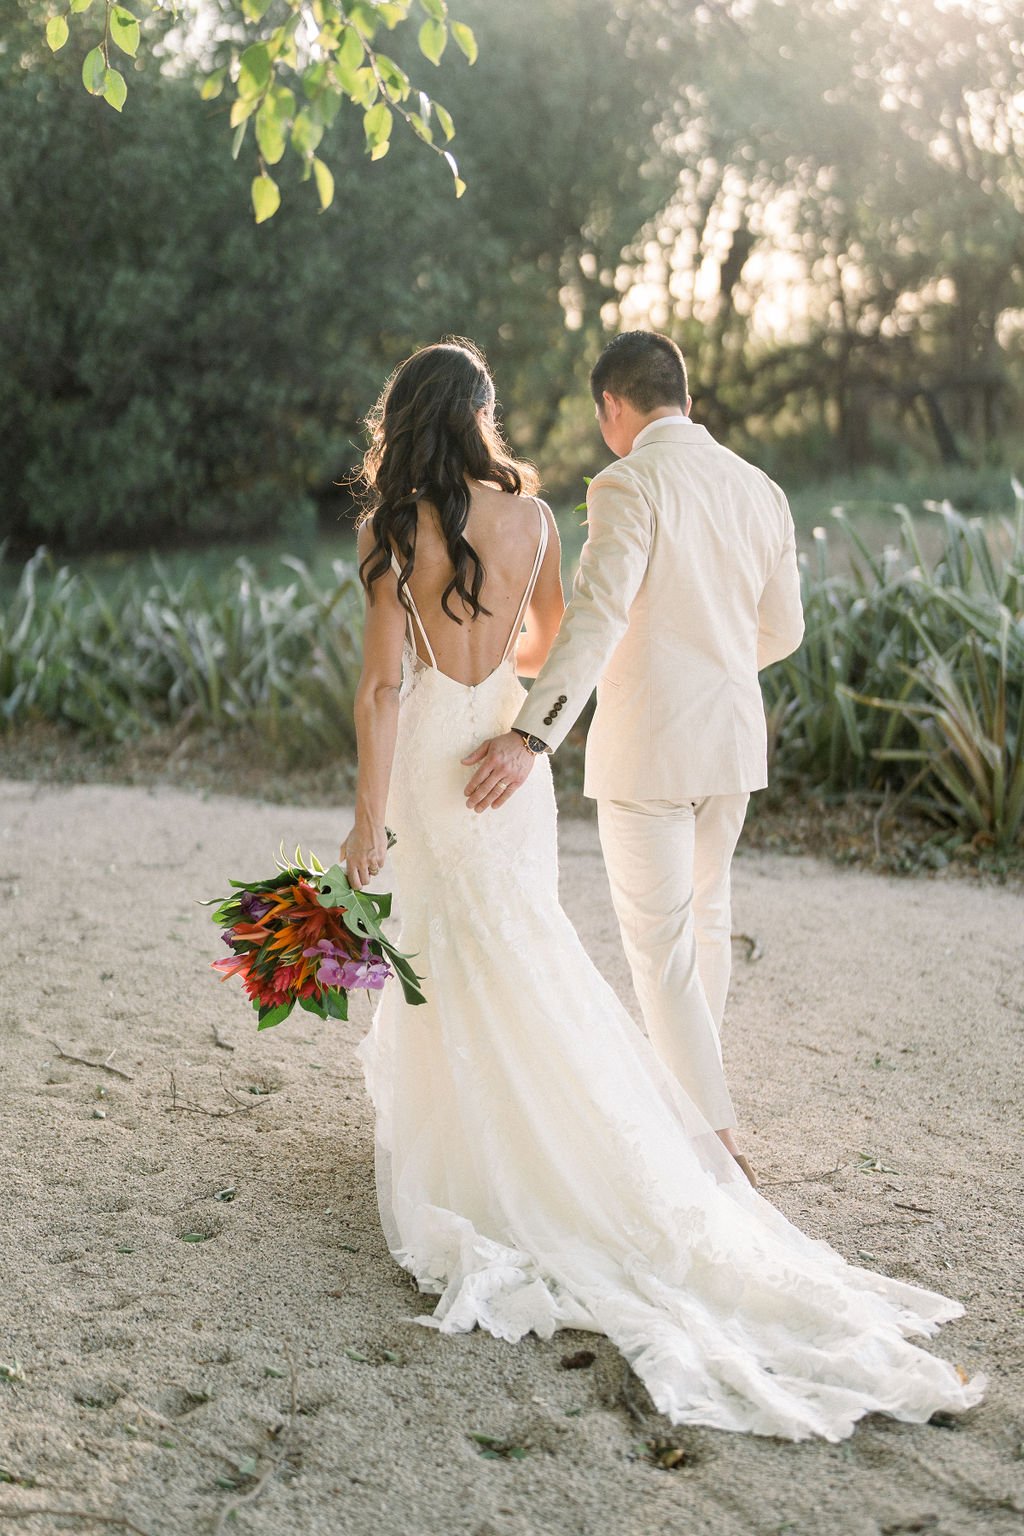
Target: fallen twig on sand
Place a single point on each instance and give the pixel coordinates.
(218, 1039)
(215, 1452)
(280, 1455)
(809, 1178)
(218, 1114)
(83, 1061)
(626, 1396)
(73, 1514)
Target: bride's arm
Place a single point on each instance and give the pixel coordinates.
(547, 605)
(376, 722)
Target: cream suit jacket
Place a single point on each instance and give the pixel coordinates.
(687, 585)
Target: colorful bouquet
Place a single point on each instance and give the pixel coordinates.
(305, 936)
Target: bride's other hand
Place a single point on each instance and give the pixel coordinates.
(503, 763)
(363, 853)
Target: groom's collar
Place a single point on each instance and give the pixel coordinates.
(670, 425)
(659, 421)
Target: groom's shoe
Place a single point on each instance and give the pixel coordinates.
(752, 1177)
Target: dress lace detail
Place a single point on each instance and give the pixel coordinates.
(539, 1168)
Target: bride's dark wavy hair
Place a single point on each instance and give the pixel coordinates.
(426, 436)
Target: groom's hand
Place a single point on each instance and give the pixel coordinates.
(503, 763)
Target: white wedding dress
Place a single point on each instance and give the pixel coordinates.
(539, 1168)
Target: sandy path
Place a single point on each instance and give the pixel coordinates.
(884, 1019)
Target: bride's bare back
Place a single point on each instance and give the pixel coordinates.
(505, 531)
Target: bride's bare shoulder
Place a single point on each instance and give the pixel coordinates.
(366, 537)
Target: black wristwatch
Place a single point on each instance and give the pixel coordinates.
(534, 744)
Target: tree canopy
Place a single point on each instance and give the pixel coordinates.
(823, 204)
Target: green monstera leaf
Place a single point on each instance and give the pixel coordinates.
(363, 914)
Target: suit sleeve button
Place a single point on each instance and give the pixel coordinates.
(562, 699)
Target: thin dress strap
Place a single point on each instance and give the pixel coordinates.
(414, 614)
(542, 544)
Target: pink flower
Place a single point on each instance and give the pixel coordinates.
(330, 973)
(371, 972)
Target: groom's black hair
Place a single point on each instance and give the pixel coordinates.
(643, 367)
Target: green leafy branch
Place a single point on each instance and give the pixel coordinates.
(327, 50)
(121, 28)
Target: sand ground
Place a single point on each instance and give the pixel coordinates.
(158, 1380)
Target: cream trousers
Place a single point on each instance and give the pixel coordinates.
(668, 866)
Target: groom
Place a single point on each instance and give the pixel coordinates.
(687, 586)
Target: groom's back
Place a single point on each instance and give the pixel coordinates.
(720, 527)
(684, 674)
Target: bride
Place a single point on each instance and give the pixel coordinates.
(538, 1167)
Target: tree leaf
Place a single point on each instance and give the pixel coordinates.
(436, 8)
(115, 91)
(466, 40)
(78, 6)
(453, 166)
(94, 71)
(254, 71)
(270, 132)
(396, 81)
(255, 10)
(240, 110)
(444, 117)
(433, 40)
(124, 30)
(324, 183)
(213, 84)
(306, 134)
(363, 87)
(364, 18)
(350, 53)
(266, 200)
(283, 98)
(377, 124)
(56, 32)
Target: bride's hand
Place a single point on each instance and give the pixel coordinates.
(363, 853)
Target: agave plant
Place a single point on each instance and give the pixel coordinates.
(909, 682)
(968, 709)
(281, 658)
(910, 678)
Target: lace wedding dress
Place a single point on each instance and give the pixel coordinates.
(539, 1168)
